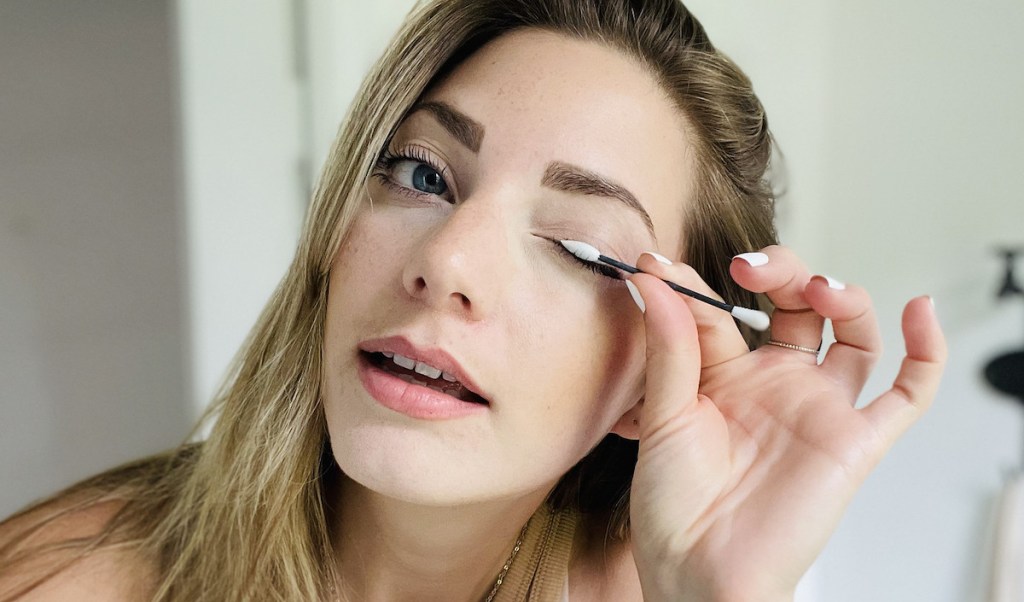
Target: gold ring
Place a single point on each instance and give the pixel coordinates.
(795, 347)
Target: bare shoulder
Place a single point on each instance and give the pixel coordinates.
(598, 573)
(106, 574)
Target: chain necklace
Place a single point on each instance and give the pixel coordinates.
(497, 583)
(508, 563)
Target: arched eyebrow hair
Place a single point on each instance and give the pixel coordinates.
(468, 132)
(558, 175)
(573, 179)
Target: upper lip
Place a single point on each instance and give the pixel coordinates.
(433, 356)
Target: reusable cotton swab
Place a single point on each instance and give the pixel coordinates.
(756, 319)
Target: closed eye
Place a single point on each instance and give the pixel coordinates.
(597, 268)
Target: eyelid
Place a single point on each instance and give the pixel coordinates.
(593, 236)
(599, 269)
(420, 153)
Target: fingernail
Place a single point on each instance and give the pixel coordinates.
(834, 284)
(932, 301)
(635, 293)
(754, 259)
(659, 258)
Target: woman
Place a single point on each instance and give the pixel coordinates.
(440, 403)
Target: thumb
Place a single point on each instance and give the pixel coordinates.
(683, 460)
(673, 354)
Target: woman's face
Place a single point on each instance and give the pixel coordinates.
(454, 264)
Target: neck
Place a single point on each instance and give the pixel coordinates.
(392, 550)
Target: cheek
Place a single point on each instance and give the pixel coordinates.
(617, 357)
(360, 254)
(361, 276)
(593, 356)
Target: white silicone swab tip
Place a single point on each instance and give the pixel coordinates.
(758, 320)
(581, 249)
(753, 318)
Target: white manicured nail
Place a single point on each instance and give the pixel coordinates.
(834, 284)
(931, 300)
(635, 293)
(754, 259)
(659, 258)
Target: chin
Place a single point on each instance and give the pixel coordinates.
(418, 469)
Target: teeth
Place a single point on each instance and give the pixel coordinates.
(404, 362)
(419, 368)
(427, 370)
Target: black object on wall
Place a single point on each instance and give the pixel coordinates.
(1005, 372)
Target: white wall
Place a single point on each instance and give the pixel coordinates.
(915, 107)
(345, 39)
(92, 316)
(245, 183)
(152, 191)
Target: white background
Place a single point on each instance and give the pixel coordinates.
(155, 157)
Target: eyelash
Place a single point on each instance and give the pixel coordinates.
(598, 268)
(387, 160)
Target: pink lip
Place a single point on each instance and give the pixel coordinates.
(438, 358)
(411, 399)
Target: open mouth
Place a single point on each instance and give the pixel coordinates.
(418, 373)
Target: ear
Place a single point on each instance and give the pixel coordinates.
(628, 425)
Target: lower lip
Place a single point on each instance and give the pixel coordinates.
(412, 400)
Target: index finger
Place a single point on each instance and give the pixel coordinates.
(719, 338)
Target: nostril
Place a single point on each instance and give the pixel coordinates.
(439, 292)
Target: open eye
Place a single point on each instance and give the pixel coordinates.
(422, 177)
(411, 173)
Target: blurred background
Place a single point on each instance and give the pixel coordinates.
(156, 159)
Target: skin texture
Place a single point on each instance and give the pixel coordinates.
(747, 460)
(474, 271)
(110, 574)
(770, 443)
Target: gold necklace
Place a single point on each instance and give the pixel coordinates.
(508, 563)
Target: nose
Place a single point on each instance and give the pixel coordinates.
(457, 267)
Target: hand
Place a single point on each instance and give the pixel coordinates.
(748, 459)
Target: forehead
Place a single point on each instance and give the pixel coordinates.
(542, 97)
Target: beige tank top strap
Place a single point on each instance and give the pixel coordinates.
(539, 572)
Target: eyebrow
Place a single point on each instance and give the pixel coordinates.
(558, 175)
(573, 179)
(468, 132)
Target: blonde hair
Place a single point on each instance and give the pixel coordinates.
(241, 515)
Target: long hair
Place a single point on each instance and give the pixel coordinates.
(241, 515)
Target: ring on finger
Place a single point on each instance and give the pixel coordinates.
(804, 310)
(785, 345)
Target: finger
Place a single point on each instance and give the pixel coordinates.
(719, 338)
(858, 343)
(779, 273)
(673, 354)
(915, 386)
(683, 455)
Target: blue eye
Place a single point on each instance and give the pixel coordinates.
(421, 176)
(411, 173)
